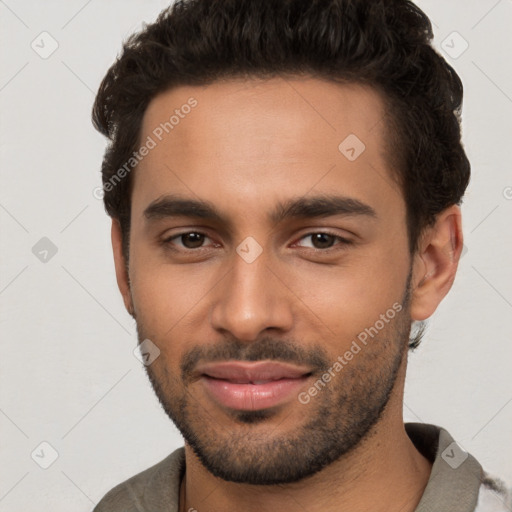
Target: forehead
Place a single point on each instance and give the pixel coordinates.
(257, 140)
(305, 108)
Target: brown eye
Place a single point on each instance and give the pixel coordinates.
(192, 240)
(186, 240)
(322, 240)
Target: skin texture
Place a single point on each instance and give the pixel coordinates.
(246, 147)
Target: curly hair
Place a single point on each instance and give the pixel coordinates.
(384, 44)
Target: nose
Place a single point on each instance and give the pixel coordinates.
(251, 299)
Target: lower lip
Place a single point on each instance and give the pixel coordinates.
(252, 397)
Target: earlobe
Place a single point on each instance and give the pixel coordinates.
(436, 262)
(123, 281)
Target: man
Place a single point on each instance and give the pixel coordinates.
(284, 180)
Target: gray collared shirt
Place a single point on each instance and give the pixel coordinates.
(457, 482)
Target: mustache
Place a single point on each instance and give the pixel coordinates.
(264, 349)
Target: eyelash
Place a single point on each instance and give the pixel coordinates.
(168, 242)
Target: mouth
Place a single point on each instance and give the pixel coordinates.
(252, 386)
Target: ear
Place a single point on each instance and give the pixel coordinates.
(435, 263)
(123, 281)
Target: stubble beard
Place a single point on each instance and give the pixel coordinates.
(343, 413)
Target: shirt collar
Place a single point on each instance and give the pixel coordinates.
(456, 475)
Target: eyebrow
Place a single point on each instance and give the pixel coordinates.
(321, 206)
(300, 208)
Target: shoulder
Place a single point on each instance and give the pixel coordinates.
(156, 488)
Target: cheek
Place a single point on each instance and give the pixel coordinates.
(170, 299)
(348, 299)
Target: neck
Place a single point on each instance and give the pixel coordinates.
(382, 473)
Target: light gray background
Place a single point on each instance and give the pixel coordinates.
(68, 374)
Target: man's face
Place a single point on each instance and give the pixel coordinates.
(307, 251)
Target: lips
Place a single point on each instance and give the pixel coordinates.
(245, 372)
(252, 385)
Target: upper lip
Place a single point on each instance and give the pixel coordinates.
(252, 371)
